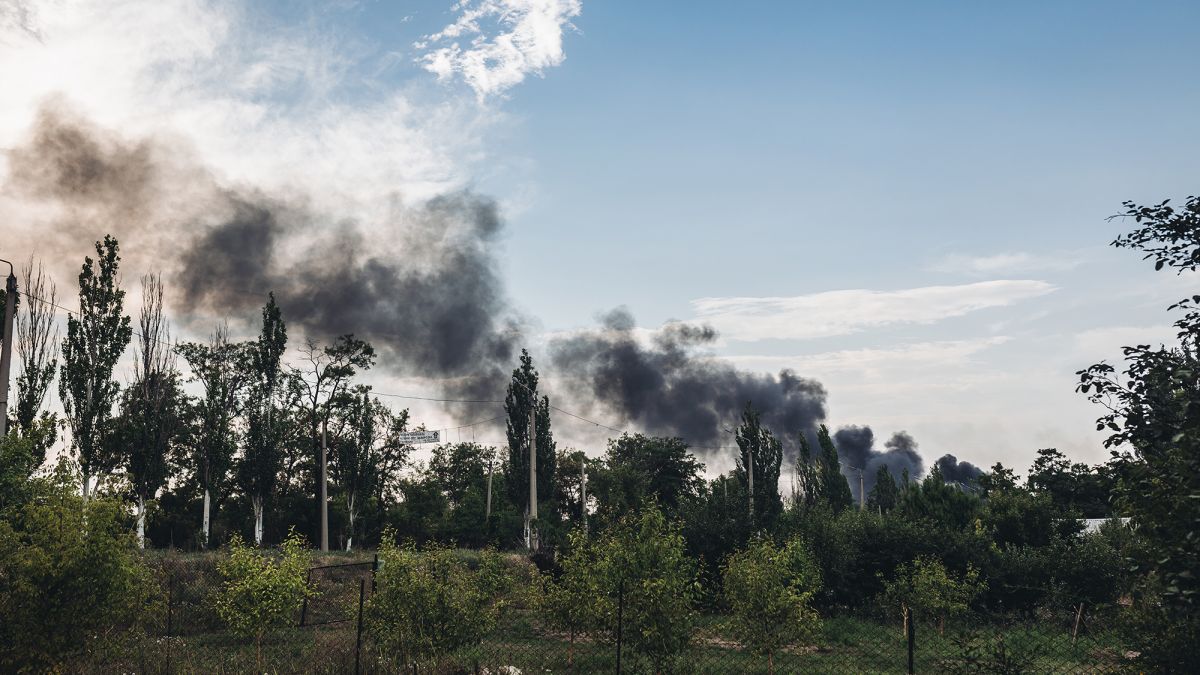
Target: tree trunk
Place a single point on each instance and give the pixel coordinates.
(771, 663)
(87, 478)
(204, 528)
(258, 521)
(141, 522)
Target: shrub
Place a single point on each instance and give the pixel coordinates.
(71, 579)
(430, 603)
(262, 591)
(575, 601)
(642, 558)
(768, 590)
(927, 588)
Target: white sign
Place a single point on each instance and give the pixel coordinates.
(414, 437)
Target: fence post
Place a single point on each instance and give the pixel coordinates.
(912, 637)
(620, 619)
(1078, 620)
(362, 591)
(170, 615)
(374, 569)
(304, 606)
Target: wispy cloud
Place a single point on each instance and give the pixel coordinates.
(920, 356)
(1005, 263)
(850, 311)
(505, 40)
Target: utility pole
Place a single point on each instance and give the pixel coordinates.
(862, 492)
(487, 514)
(750, 479)
(532, 540)
(324, 488)
(10, 308)
(583, 491)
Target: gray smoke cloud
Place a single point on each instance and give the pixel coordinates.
(855, 446)
(428, 296)
(666, 388)
(954, 471)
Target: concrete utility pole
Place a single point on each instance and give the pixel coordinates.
(750, 478)
(532, 471)
(862, 492)
(324, 488)
(487, 514)
(10, 308)
(583, 492)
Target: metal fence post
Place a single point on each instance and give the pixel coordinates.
(912, 637)
(362, 591)
(620, 619)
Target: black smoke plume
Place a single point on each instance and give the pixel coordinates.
(855, 446)
(954, 471)
(426, 293)
(667, 388)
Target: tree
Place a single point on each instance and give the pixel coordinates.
(223, 370)
(885, 494)
(640, 470)
(834, 488)
(806, 491)
(926, 587)
(261, 592)
(37, 348)
(520, 400)
(944, 504)
(646, 570)
(1153, 412)
(259, 468)
(94, 343)
(430, 603)
(70, 576)
(357, 453)
(575, 601)
(761, 453)
(324, 380)
(152, 408)
(768, 589)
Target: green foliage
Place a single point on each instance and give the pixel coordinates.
(575, 601)
(430, 603)
(261, 591)
(834, 490)
(768, 590)
(18, 461)
(95, 340)
(934, 500)
(641, 470)
(521, 397)
(644, 568)
(71, 581)
(757, 443)
(885, 495)
(925, 586)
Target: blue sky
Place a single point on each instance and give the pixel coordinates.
(920, 189)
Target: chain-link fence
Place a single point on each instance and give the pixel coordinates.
(183, 632)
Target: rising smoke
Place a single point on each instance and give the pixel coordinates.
(954, 471)
(429, 296)
(667, 388)
(855, 446)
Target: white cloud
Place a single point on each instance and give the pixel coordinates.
(874, 362)
(1005, 263)
(850, 311)
(505, 41)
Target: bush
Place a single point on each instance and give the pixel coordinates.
(430, 603)
(71, 579)
(925, 587)
(575, 602)
(643, 567)
(768, 590)
(262, 591)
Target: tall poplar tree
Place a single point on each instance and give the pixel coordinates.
(152, 412)
(258, 472)
(95, 340)
(223, 370)
(834, 487)
(760, 450)
(37, 348)
(521, 398)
